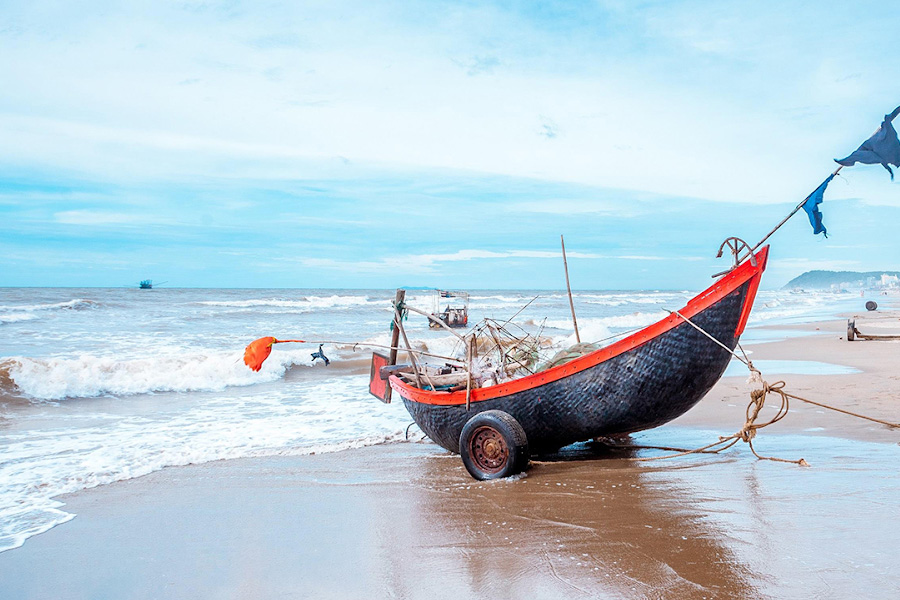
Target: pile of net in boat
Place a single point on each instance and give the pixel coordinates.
(493, 353)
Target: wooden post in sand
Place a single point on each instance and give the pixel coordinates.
(395, 340)
(569, 288)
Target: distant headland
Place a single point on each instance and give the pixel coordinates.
(840, 280)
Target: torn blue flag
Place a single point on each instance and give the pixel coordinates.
(882, 148)
(811, 206)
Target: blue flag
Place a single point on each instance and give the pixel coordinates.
(811, 206)
(882, 148)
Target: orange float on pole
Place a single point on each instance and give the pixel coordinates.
(258, 351)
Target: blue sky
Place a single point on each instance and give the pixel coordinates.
(360, 144)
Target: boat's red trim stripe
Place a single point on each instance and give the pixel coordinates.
(761, 259)
(727, 284)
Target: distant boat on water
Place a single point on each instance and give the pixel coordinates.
(147, 284)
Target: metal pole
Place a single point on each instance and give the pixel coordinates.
(569, 288)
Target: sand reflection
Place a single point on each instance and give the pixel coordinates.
(589, 524)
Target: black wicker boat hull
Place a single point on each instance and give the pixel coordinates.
(652, 379)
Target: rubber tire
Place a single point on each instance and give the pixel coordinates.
(871, 305)
(512, 435)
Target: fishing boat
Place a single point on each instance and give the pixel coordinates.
(638, 382)
(147, 284)
(455, 312)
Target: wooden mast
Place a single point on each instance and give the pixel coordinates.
(569, 288)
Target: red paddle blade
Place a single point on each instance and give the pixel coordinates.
(258, 351)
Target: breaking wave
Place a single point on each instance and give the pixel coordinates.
(13, 313)
(303, 304)
(17, 317)
(87, 376)
(607, 324)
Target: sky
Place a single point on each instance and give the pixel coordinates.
(349, 144)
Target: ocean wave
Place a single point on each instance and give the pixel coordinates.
(303, 304)
(325, 417)
(87, 376)
(16, 313)
(503, 299)
(630, 321)
(17, 317)
(74, 304)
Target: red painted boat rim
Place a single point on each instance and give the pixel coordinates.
(729, 282)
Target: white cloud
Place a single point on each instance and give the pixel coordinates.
(104, 218)
(103, 94)
(92, 217)
(430, 263)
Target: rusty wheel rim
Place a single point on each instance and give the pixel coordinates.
(488, 449)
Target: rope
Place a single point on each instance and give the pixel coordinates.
(747, 433)
(846, 412)
(401, 313)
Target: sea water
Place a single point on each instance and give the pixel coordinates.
(101, 385)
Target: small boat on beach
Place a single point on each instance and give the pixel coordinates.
(639, 382)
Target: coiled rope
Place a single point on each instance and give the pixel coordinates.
(757, 400)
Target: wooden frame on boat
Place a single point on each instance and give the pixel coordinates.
(639, 382)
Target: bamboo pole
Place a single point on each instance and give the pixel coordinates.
(569, 288)
(785, 220)
(415, 365)
(468, 374)
(411, 353)
(435, 319)
(395, 339)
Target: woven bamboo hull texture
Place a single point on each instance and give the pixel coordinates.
(639, 389)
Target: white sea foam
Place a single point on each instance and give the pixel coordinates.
(16, 313)
(17, 317)
(89, 376)
(603, 324)
(323, 417)
(304, 304)
(76, 303)
(500, 299)
(591, 331)
(782, 307)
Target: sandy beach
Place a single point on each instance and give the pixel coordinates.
(404, 520)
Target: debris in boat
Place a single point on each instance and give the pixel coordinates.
(319, 354)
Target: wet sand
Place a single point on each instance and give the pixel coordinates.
(406, 521)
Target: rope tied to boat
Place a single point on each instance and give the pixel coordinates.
(748, 431)
(758, 396)
(757, 401)
(402, 313)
